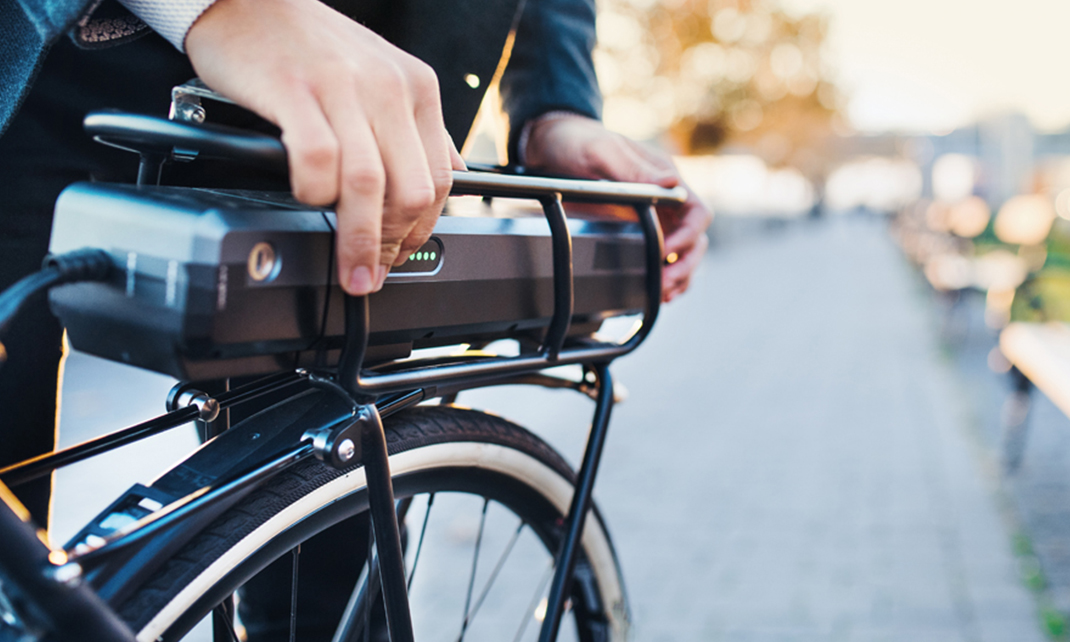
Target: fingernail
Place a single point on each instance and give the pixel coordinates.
(360, 280)
(381, 278)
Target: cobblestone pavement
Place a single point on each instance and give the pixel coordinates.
(794, 461)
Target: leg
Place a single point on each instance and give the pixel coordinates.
(1014, 420)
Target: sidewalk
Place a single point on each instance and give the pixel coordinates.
(792, 463)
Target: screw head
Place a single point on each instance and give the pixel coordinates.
(209, 409)
(346, 449)
(189, 112)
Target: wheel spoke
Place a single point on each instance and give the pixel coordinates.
(365, 593)
(420, 543)
(364, 590)
(293, 594)
(529, 614)
(371, 592)
(223, 621)
(494, 574)
(475, 564)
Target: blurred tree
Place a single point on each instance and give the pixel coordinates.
(711, 72)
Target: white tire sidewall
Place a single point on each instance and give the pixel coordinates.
(486, 456)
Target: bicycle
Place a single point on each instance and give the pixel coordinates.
(242, 287)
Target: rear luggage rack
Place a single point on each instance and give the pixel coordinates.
(199, 271)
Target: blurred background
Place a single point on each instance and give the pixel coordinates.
(823, 439)
(891, 185)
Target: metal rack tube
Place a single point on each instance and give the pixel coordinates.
(577, 512)
(367, 387)
(387, 532)
(42, 465)
(564, 298)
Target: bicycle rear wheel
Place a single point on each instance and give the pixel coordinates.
(485, 501)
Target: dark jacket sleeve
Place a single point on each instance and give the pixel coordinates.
(27, 27)
(551, 68)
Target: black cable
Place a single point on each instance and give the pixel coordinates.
(72, 267)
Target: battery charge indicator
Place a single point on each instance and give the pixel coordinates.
(426, 260)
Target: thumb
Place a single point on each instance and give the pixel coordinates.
(625, 164)
(455, 156)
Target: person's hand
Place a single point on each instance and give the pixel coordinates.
(584, 148)
(361, 121)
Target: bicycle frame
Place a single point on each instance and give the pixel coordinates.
(51, 583)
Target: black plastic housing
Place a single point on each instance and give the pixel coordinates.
(195, 299)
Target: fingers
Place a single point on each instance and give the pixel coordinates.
(685, 243)
(361, 120)
(393, 178)
(410, 190)
(425, 225)
(362, 181)
(676, 278)
(320, 175)
(442, 158)
(617, 159)
(455, 156)
(683, 225)
(312, 149)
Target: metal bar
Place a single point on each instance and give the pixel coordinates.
(147, 134)
(371, 385)
(397, 404)
(655, 245)
(258, 388)
(357, 324)
(512, 186)
(564, 300)
(42, 465)
(150, 168)
(577, 512)
(387, 533)
(473, 372)
(75, 612)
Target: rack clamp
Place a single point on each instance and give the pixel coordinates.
(339, 446)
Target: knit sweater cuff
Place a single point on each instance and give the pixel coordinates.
(171, 19)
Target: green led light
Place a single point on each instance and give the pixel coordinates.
(412, 256)
(432, 256)
(423, 256)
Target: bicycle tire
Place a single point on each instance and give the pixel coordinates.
(432, 449)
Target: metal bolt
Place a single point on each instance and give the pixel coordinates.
(189, 112)
(207, 407)
(346, 449)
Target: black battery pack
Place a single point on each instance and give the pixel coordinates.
(212, 284)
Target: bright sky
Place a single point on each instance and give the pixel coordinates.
(937, 64)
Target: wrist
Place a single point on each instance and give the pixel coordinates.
(530, 132)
